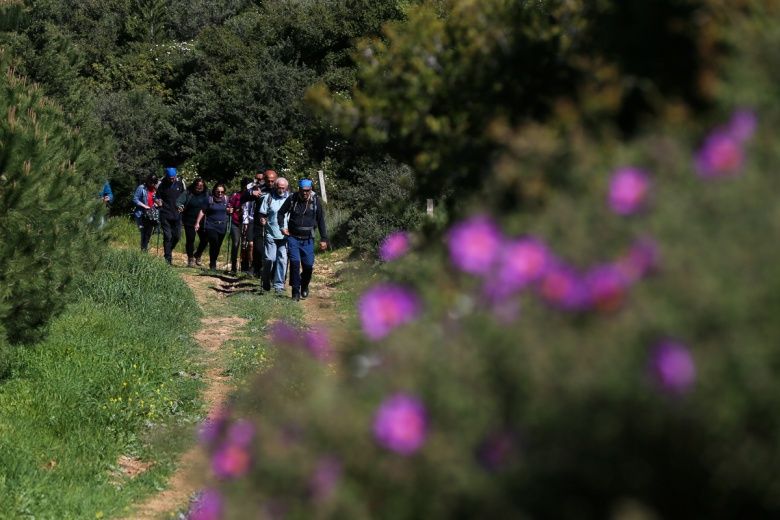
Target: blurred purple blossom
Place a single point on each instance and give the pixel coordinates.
(606, 287)
(230, 461)
(629, 188)
(743, 124)
(283, 333)
(641, 260)
(721, 155)
(317, 343)
(385, 307)
(497, 450)
(400, 424)
(241, 433)
(521, 262)
(474, 244)
(672, 366)
(562, 287)
(325, 478)
(213, 427)
(394, 246)
(207, 506)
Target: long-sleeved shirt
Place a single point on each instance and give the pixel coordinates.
(269, 208)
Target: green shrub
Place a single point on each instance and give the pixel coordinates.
(48, 208)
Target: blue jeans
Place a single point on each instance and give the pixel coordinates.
(275, 261)
(301, 256)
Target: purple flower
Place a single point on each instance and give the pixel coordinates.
(743, 124)
(284, 334)
(241, 433)
(212, 427)
(641, 259)
(385, 307)
(325, 478)
(562, 287)
(395, 245)
(208, 506)
(230, 461)
(317, 343)
(721, 155)
(629, 188)
(497, 450)
(474, 244)
(400, 424)
(521, 262)
(606, 287)
(672, 366)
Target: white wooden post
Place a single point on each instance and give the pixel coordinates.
(430, 207)
(322, 186)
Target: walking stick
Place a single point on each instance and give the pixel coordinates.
(157, 228)
(227, 230)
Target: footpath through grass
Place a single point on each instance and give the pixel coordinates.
(119, 375)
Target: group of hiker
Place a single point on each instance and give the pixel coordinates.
(267, 224)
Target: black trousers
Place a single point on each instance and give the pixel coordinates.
(235, 243)
(171, 230)
(258, 250)
(215, 244)
(147, 230)
(190, 234)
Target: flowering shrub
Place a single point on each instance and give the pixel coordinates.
(565, 363)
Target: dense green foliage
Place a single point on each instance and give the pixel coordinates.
(109, 380)
(533, 411)
(49, 211)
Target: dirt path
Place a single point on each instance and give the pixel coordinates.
(192, 468)
(320, 308)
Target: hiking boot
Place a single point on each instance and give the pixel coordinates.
(296, 294)
(190, 261)
(304, 292)
(278, 293)
(198, 262)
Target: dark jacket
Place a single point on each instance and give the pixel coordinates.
(169, 192)
(300, 217)
(192, 204)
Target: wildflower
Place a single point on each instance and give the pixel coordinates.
(241, 433)
(394, 246)
(641, 260)
(521, 263)
(385, 307)
(284, 333)
(400, 424)
(230, 461)
(672, 366)
(325, 478)
(212, 427)
(606, 288)
(317, 343)
(561, 287)
(742, 125)
(474, 245)
(721, 155)
(629, 188)
(497, 450)
(208, 506)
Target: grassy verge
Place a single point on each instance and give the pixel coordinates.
(114, 377)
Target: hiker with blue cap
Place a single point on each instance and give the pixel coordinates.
(168, 193)
(297, 218)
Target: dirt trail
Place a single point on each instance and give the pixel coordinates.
(320, 308)
(192, 467)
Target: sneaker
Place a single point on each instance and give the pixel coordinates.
(198, 262)
(190, 261)
(279, 292)
(304, 293)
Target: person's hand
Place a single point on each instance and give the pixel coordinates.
(106, 199)
(229, 210)
(158, 203)
(286, 232)
(197, 226)
(323, 246)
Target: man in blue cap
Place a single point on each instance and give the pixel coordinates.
(297, 218)
(168, 193)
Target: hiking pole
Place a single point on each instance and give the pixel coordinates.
(157, 228)
(227, 230)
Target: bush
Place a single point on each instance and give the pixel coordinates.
(610, 353)
(49, 211)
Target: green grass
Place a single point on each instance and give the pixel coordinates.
(112, 378)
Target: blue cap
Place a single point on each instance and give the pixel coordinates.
(170, 171)
(304, 183)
